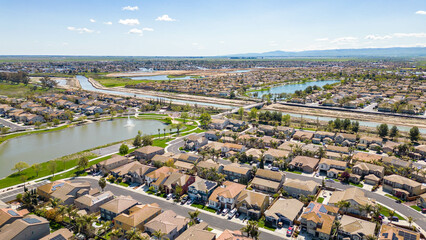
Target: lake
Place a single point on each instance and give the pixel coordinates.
(291, 88)
(37, 148)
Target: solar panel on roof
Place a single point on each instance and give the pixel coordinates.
(407, 236)
(59, 237)
(322, 209)
(13, 213)
(210, 184)
(56, 186)
(31, 220)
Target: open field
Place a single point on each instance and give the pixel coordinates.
(210, 72)
(21, 90)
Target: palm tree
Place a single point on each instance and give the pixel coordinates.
(116, 233)
(105, 227)
(336, 228)
(159, 235)
(391, 214)
(371, 237)
(54, 202)
(164, 132)
(193, 215)
(410, 220)
(251, 229)
(84, 224)
(134, 234)
(158, 132)
(344, 204)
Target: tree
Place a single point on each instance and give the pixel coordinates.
(20, 166)
(159, 235)
(253, 114)
(138, 140)
(134, 234)
(192, 216)
(178, 190)
(336, 227)
(102, 183)
(124, 149)
(24, 179)
(251, 229)
(344, 204)
(382, 130)
(116, 233)
(205, 119)
(393, 132)
(184, 116)
(241, 112)
(52, 167)
(83, 162)
(147, 140)
(84, 224)
(355, 126)
(414, 134)
(391, 214)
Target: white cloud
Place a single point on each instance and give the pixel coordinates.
(421, 12)
(221, 42)
(321, 39)
(147, 29)
(80, 30)
(130, 22)
(195, 44)
(135, 31)
(416, 35)
(108, 23)
(377, 37)
(344, 40)
(273, 43)
(129, 8)
(165, 18)
(92, 20)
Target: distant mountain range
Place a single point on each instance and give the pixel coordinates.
(363, 52)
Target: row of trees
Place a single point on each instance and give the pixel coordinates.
(383, 131)
(15, 78)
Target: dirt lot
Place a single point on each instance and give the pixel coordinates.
(411, 122)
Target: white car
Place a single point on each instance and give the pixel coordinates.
(225, 211)
(232, 213)
(170, 195)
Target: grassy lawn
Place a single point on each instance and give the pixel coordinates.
(320, 200)
(262, 224)
(197, 205)
(356, 185)
(209, 229)
(76, 172)
(209, 209)
(393, 197)
(161, 142)
(296, 172)
(20, 90)
(62, 164)
(124, 184)
(385, 211)
(114, 81)
(416, 208)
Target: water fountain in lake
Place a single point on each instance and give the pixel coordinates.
(129, 122)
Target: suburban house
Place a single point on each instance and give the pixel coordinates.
(114, 162)
(402, 187)
(201, 189)
(355, 228)
(70, 191)
(31, 227)
(254, 154)
(252, 203)
(188, 157)
(133, 172)
(370, 142)
(235, 171)
(267, 129)
(268, 181)
(219, 123)
(45, 191)
(363, 169)
(169, 223)
(232, 147)
(146, 153)
(318, 219)
(233, 235)
(391, 232)
(321, 136)
(355, 196)
(213, 135)
(207, 165)
(367, 157)
(285, 211)
(178, 179)
(335, 165)
(194, 142)
(161, 160)
(422, 200)
(117, 206)
(197, 232)
(158, 177)
(62, 233)
(302, 135)
(295, 187)
(9, 215)
(225, 196)
(303, 163)
(274, 154)
(345, 139)
(92, 203)
(396, 162)
(138, 216)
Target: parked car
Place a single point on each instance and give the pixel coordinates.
(398, 201)
(276, 169)
(198, 220)
(394, 219)
(317, 174)
(290, 231)
(424, 210)
(189, 202)
(169, 196)
(184, 199)
(225, 211)
(232, 213)
(280, 224)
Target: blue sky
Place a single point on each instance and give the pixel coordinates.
(205, 27)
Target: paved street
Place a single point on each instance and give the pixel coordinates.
(216, 222)
(7, 196)
(13, 126)
(177, 143)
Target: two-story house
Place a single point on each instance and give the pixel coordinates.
(268, 181)
(201, 189)
(318, 219)
(253, 204)
(225, 196)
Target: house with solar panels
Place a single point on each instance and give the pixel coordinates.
(47, 189)
(28, 228)
(9, 215)
(92, 203)
(201, 189)
(318, 219)
(391, 232)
